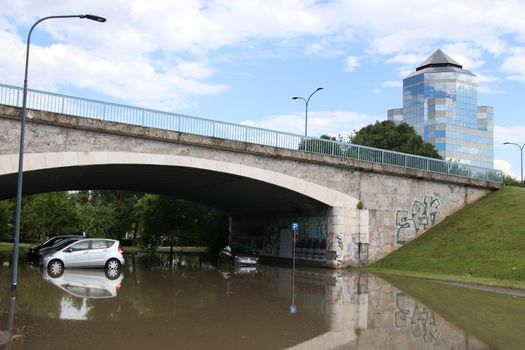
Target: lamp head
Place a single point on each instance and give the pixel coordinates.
(295, 98)
(94, 18)
(319, 89)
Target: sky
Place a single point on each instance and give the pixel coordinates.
(242, 61)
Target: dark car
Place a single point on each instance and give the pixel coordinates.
(41, 253)
(49, 243)
(238, 256)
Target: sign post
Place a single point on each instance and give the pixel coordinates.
(295, 230)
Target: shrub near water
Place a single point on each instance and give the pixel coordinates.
(486, 239)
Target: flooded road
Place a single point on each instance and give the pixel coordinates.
(158, 302)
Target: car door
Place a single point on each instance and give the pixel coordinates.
(99, 252)
(77, 255)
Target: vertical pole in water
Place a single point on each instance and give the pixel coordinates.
(295, 228)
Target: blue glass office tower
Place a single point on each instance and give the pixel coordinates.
(440, 102)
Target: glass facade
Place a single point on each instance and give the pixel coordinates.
(440, 102)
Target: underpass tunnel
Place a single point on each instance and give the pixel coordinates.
(260, 213)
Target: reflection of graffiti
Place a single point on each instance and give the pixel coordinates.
(417, 318)
(413, 221)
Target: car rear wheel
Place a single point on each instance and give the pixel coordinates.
(55, 268)
(112, 264)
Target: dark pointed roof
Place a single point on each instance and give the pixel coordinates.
(439, 59)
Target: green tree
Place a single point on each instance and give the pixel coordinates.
(6, 220)
(395, 137)
(510, 181)
(324, 145)
(99, 218)
(175, 221)
(110, 213)
(48, 214)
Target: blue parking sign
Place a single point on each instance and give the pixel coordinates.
(295, 226)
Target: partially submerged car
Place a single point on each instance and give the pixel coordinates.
(34, 250)
(238, 256)
(85, 253)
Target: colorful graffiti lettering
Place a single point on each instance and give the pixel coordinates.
(411, 222)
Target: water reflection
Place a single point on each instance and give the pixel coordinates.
(417, 318)
(88, 283)
(186, 302)
(6, 336)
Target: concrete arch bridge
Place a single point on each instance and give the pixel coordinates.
(351, 212)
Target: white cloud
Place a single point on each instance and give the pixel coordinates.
(514, 134)
(392, 83)
(331, 123)
(376, 91)
(465, 53)
(504, 166)
(514, 65)
(157, 51)
(488, 84)
(351, 63)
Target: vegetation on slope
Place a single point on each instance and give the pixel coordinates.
(486, 239)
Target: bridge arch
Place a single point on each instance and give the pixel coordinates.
(58, 160)
(292, 196)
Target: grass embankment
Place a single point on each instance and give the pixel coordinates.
(483, 243)
(7, 247)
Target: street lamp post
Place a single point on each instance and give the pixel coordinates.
(16, 238)
(521, 151)
(306, 109)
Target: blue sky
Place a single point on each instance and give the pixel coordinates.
(241, 61)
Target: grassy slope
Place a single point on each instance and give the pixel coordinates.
(486, 239)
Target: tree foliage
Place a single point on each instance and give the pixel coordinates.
(6, 220)
(510, 181)
(147, 219)
(395, 137)
(48, 214)
(178, 222)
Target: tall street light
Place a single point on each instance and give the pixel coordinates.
(306, 110)
(22, 132)
(521, 150)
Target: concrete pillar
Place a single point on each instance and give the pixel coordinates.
(347, 229)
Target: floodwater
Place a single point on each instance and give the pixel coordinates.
(183, 302)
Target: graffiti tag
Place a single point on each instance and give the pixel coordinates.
(411, 222)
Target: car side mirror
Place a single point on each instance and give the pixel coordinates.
(69, 250)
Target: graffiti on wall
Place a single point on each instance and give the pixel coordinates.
(412, 222)
(417, 318)
(312, 234)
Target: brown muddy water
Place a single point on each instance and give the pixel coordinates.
(182, 302)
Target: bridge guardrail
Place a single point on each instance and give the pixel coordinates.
(82, 107)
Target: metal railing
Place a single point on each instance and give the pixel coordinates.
(63, 104)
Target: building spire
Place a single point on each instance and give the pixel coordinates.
(439, 59)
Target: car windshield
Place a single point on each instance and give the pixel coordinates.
(52, 241)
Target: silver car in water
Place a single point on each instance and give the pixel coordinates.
(86, 253)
